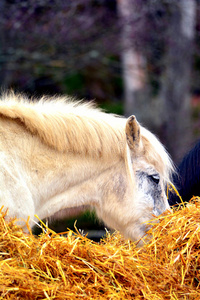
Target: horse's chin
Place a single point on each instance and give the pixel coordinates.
(138, 234)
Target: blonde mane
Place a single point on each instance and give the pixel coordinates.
(67, 125)
(73, 126)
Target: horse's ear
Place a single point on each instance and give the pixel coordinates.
(133, 133)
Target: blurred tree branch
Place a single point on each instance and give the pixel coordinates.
(175, 91)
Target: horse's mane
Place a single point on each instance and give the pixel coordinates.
(79, 127)
(67, 125)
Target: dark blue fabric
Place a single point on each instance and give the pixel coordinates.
(187, 179)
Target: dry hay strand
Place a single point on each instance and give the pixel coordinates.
(53, 266)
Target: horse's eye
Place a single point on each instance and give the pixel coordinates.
(155, 178)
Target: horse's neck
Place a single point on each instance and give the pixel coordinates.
(77, 181)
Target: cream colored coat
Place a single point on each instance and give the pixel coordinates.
(57, 154)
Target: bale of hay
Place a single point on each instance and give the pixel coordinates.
(53, 266)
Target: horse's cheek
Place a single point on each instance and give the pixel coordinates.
(160, 202)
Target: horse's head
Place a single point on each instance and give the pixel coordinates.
(143, 185)
(149, 166)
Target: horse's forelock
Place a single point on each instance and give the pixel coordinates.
(156, 154)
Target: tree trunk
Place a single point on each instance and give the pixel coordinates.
(175, 92)
(133, 62)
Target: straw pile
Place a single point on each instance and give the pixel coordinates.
(73, 267)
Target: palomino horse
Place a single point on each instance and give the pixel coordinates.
(58, 154)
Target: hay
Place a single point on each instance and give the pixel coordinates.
(53, 266)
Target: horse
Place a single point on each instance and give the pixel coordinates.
(59, 154)
(187, 177)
